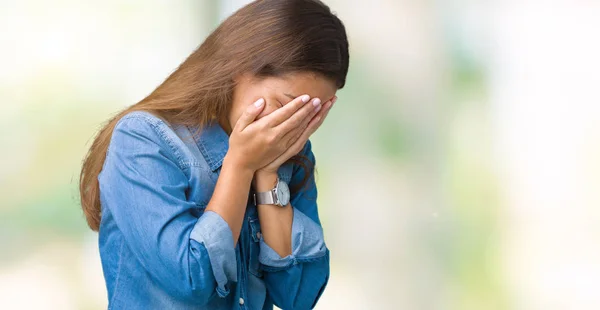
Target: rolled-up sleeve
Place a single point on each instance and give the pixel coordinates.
(307, 243)
(214, 233)
(298, 280)
(191, 256)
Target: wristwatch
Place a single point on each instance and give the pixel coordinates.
(279, 196)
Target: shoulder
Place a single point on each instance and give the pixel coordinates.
(140, 131)
(140, 121)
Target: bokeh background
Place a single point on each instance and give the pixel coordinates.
(459, 170)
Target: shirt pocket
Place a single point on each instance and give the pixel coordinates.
(255, 236)
(201, 186)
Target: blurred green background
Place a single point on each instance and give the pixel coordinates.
(459, 170)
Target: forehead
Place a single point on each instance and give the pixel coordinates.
(300, 83)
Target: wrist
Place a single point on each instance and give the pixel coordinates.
(229, 162)
(264, 180)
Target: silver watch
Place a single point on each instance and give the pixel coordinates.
(279, 196)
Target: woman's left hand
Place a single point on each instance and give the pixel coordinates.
(311, 125)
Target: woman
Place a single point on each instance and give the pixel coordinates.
(203, 193)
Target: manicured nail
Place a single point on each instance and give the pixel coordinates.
(305, 98)
(316, 102)
(318, 108)
(259, 102)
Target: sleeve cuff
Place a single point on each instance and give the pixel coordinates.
(212, 231)
(307, 243)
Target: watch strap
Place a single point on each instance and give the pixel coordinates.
(265, 198)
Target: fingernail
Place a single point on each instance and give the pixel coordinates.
(316, 102)
(305, 98)
(318, 108)
(259, 102)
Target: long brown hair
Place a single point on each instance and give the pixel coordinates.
(266, 38)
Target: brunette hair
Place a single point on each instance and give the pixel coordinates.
(265, 38)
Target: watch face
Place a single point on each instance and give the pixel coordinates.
(283, 193)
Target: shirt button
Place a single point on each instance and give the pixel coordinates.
(241, 301)
(258, 235)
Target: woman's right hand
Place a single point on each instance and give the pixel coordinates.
(254, 144)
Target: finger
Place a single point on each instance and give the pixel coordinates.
(299, 138)
(252, 111)
(297, 146)
(291, 151)
(297, 141)
(318, 120)
(302, 134)
(293, 137)
(300, 118)
(285, 112)
(328, 108)
(324, 108)
(296, 130)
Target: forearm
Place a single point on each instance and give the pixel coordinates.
(275, 221)
(230, 196)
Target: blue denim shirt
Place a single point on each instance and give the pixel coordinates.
(161, 250)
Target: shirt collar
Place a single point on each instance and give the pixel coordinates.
(213, 143)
